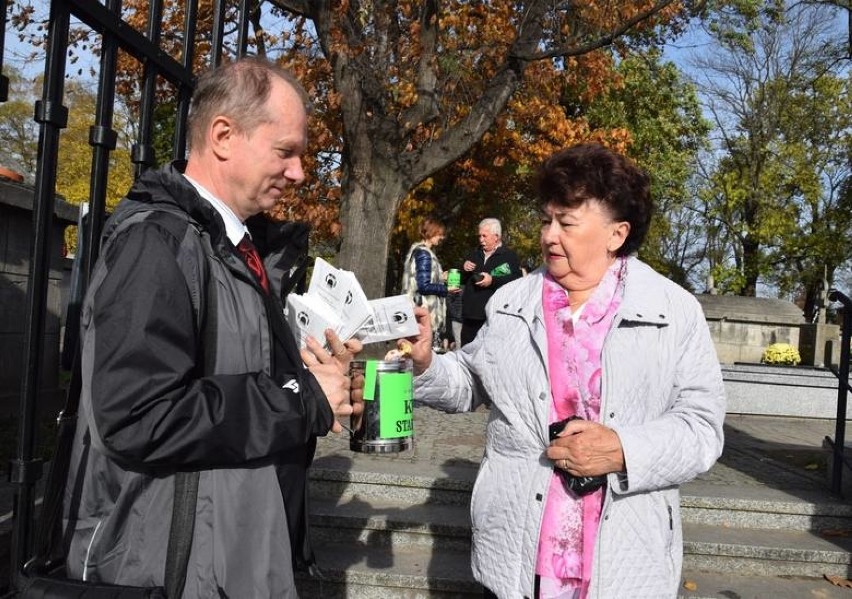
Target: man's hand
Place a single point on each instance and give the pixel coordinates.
(586, 448)
(332, 372)
(343, 352)
(469, 266)
(485, 281)
(421, 345)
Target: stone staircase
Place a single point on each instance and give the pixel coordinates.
(398, 526)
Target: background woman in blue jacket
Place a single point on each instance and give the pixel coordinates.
(423, 280)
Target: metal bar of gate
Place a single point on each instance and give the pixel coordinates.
(103, 139)
(839, 445)
(53, 117)
(4, 80)
(185, 92)
(95, 15)
(242, 38)
(217, 41)
(143, 155)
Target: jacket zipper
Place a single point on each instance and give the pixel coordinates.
(89, 550)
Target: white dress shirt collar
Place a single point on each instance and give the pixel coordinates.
(234, 227)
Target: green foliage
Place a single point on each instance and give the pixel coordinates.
(661, 112)
(73, 175)
(18, 130)
(782, 105)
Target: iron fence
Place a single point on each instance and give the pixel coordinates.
(841, 371)
(105, 19)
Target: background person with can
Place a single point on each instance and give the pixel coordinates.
(454, 307)
(423, 280)
(487, 268)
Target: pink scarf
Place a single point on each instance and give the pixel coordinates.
(570, 524)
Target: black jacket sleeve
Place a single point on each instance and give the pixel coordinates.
(152, 404)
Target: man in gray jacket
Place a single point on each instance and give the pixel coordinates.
(188, 364)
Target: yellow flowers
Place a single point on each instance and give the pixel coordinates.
(781, 353)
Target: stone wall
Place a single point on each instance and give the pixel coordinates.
(742, 327)
(16, 225)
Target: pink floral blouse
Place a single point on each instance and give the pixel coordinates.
(570, 524)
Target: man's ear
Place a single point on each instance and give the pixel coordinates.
(220, 137)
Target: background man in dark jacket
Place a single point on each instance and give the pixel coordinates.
(484, 271)
(188, 364)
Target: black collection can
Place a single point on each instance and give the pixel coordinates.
(387, 423)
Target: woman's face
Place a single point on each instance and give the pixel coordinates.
(435, 239)
(579, 244)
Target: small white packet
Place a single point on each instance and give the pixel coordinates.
(307, 316)
(343, 295)
(393, 318)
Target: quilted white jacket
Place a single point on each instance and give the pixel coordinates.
(662, 393)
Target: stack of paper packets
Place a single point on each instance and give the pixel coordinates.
(336, 301)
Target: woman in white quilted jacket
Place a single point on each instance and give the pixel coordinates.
(605, 395)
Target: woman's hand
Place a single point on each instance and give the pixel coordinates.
(421, 345)
(586, 448)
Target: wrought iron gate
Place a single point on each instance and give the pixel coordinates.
(51, 114)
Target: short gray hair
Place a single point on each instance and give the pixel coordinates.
(493, 225)
(239, 90)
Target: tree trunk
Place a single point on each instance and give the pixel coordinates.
(751, 267)
(371, 197)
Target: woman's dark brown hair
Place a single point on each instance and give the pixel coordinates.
(592, 172)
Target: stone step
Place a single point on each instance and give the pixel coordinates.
(367, 572)
(333, 477)
(382, 524)
(761, 507)
(715, 585)
(725, 543)
(765, 552)
(739, 506)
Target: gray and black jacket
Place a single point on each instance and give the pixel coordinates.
(188, 365)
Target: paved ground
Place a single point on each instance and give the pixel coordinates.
(771, 451)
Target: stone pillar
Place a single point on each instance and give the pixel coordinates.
(819, 344)
(16, 201)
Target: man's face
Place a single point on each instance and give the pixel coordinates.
(487, 239)
(266, 161)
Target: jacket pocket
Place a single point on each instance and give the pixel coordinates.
(479, 504)
(673, 518)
